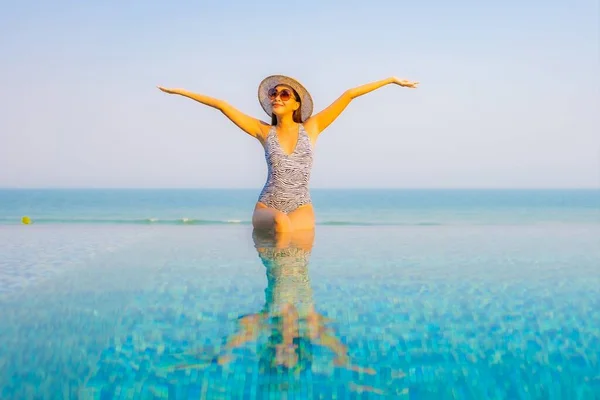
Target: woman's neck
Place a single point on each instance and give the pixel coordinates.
(286, 123)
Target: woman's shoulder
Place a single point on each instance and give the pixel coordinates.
(310, 127)
(265, 130)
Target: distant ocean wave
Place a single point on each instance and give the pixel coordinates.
(351, 208)
(125, 221)
(190, 221)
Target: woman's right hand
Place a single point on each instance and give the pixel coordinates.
(167, 90)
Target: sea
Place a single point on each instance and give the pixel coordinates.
(398, 293)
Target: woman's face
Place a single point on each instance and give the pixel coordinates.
(283, 100)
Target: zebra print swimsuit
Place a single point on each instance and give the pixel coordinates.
(288, 176)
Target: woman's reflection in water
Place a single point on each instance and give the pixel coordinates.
(289, 321)
(289, 318)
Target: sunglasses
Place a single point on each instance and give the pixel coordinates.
(284, 95)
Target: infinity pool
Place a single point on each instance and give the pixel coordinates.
(181, 312)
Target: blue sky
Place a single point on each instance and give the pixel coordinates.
(509, 93)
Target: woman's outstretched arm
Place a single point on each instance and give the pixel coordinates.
(252, 126)
(323, 119)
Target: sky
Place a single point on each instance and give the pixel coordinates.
(509, 93)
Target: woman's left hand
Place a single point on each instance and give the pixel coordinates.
(405, 83)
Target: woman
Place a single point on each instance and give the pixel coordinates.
(285, 205)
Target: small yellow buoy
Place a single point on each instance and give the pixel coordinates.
(26, 220)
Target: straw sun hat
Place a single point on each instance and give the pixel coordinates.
(274, 80)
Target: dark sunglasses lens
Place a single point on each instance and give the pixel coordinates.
(272, 93)
(285, 95)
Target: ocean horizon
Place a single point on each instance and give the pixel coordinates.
(332, 206)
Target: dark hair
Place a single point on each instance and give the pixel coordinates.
(296, 116)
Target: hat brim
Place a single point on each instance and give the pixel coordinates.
(275, 80)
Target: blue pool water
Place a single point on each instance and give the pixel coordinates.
(400, 294)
